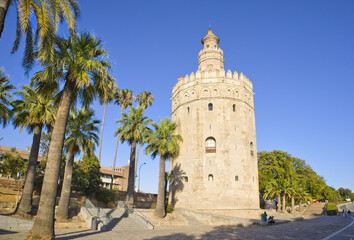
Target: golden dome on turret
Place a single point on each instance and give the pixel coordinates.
(210, 35)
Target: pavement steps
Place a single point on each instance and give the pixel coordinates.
(121, 221)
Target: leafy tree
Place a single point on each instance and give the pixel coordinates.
(82, 136)
(331, 194)
(163, 142)
(145, 100)
(5, 98)
(345, 193)
(86, 174)
(12, 164)
(123, 98)
(33, 111)
(48, 15)
(44, 145)
(132, 131)
(80, 62)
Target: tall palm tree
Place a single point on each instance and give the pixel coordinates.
(145, 100)
(5, 98)
(33, 111)
(123, 98)
(286, 191)
(82, 136)
(80, 63)
(300, 194)
(162, 141)
(106, 98)
(273, 189)
(48, 16)
(132, 131)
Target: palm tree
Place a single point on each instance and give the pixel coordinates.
(133, 130)
(163, 142)
(145, 100)
(81, 137)
(286, 191)
(33, 112)
(106, 98)
(300, 194)
(79, 61)
(48, 15)
(273, 189)
(123, 98)
(5, 98)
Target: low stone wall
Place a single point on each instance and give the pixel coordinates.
(142, 200)
(14, 224)
(216, 220)
(74, 202)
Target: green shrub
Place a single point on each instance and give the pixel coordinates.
(331, 206)
(105, 196)
(331, 209)
(169, 208)
(153, 206)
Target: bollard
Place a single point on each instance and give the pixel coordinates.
(94, 223)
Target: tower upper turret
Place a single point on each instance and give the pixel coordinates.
(211, 57)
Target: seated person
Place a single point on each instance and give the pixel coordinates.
(271, 220)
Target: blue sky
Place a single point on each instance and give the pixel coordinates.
(298, 54)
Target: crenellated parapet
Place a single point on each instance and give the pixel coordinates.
(213, 83)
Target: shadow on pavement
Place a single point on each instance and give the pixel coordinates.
(78, 234)
(176, 236)
(283, 229)
(3, 231)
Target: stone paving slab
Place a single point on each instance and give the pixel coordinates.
(316, 228)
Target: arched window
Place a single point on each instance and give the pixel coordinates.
(188, 110)
(210, 145)
(251, 149)
(236, 178)
(210, 178)
(210, 107)
(234, 107)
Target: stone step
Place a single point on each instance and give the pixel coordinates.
(122, 221)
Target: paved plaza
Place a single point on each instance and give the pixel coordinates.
(315, 228)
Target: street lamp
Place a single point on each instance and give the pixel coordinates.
(139, 175)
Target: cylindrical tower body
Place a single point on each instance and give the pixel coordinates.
(216, 170)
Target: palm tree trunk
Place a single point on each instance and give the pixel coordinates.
(160, 205)
(131, 177)
(300, 205)
(279, 203)
(63, 208)
(284, 210)
(43, 227)
(115, 154)
(4, 7)
(25, 206)
(137, 162)
(292, 205)
(137, 157)
(104, 117)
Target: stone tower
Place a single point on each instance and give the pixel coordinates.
(216, 170)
